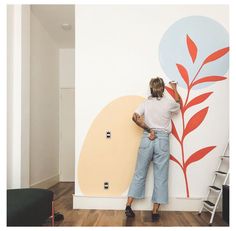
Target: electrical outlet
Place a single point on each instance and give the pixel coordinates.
(106, 185)
(108, 134)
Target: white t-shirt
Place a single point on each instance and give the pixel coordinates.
(157, 113)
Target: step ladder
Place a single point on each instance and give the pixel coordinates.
(207, 204)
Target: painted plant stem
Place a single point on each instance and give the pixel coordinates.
(182, 152)
(182, 139)
(191, 85)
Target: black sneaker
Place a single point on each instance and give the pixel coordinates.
(155, 217)
(129, 212)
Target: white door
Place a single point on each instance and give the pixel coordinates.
(67, 134)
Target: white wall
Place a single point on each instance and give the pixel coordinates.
(67, 68)
(18, 54)
(44, 142)
(67, 114)
(116, 55)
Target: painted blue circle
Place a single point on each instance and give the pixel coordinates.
(208, 35)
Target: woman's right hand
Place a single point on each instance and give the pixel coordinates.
(173, 85)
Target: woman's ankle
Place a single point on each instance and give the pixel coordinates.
(129, 201)
(155, 208)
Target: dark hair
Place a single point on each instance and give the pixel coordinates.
(157, 87)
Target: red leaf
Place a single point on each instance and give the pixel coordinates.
(172, 93)
(192, 48)
(197, 100)
(195, 121)
(214, 78)
(183, 72)
(175, 160)
(174, 131)
(198, 155)
(216, 55)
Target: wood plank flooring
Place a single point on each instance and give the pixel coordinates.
(82, 217)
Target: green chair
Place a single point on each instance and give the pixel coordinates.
(29, 206)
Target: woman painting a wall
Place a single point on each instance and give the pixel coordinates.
(157, 111)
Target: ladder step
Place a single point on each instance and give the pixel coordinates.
(214, 188)
(210, 204)
(221, 173)
(206, 204)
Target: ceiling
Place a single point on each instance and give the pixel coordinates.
(52, 17)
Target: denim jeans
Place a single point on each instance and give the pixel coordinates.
(158, 152)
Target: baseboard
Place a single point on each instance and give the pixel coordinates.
(46, 183)
(118, 203)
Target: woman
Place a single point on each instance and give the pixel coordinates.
(157, 111)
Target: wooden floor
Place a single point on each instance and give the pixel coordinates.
(81, 217)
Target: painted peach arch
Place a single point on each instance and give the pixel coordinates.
(110, 160)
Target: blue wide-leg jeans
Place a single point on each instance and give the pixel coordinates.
(157, 151)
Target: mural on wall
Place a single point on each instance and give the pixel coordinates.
(194, 52)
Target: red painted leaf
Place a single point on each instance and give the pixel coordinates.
(195, 121)
(209, 79)
(197, 100)
(183, 72)
(216, 55)
(192, 48)
(198, 155)
(174, 131)
(172, 93)
(175, 160)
